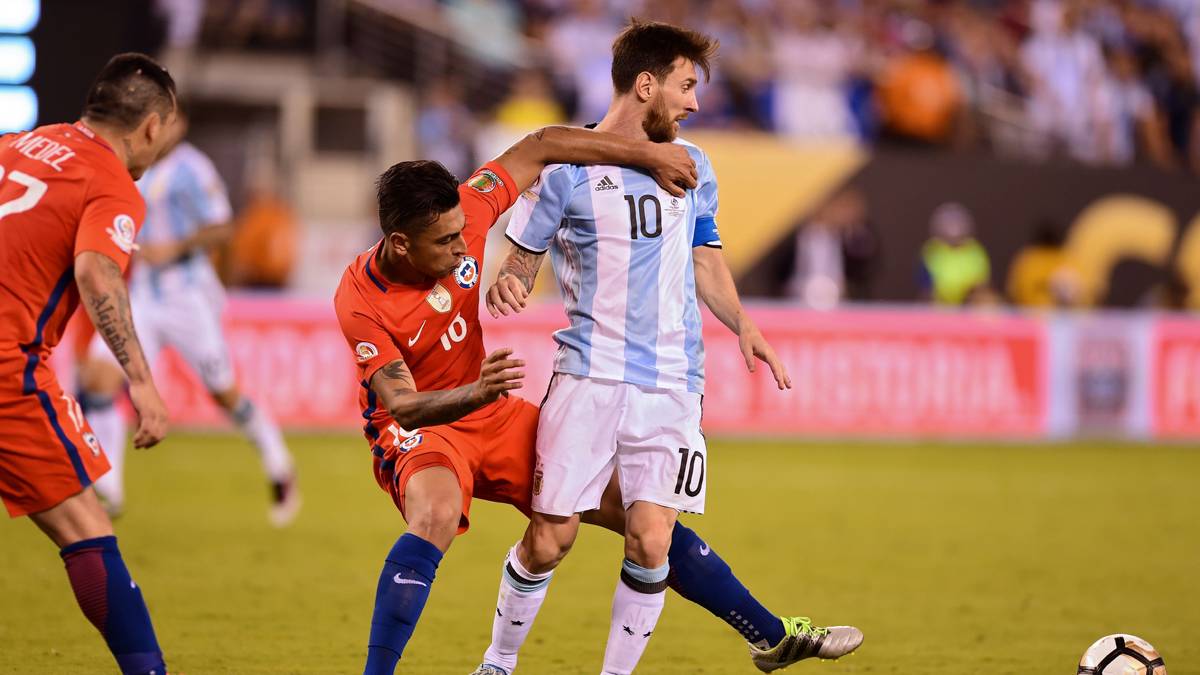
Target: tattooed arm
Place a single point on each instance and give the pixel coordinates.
(515, 282)
(669, 163)
(104, 296)
(414, 409)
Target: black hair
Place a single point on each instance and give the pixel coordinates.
(652, 47)
(129, 87)
(413, 194)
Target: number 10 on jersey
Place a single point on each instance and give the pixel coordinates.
(637, 217)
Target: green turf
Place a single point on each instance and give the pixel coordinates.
(952, 559)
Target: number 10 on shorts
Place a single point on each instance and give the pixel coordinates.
(690, 480)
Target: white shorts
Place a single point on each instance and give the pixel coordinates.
(188, 321)
(651, 437)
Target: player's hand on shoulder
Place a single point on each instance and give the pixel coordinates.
(673, 168)
(755, 346)
(151, 412)
(499, 375)
(507, 296)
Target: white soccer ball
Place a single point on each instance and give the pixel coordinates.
(1121, 654)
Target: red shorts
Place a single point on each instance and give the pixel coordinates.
(492, 452)
(47, 450)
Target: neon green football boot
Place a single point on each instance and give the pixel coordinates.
(803, 641)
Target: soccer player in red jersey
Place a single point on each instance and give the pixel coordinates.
(441, 428)
(440, 424)
(69, 212)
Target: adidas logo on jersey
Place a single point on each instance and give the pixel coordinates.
(606, 183)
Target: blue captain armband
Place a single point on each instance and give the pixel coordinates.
(706, 233)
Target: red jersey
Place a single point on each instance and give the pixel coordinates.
(435, 327)
(62, 191)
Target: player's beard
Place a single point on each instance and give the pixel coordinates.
(657, 124)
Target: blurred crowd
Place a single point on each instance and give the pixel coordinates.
(837, 255)
(1105, 82)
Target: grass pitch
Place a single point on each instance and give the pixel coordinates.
(953, 559)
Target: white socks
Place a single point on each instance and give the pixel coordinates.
(520, 598)
(262, 431)
(109, 426)
(637, 604)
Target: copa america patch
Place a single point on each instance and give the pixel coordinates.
(92, 443)
(123, 232)
(485, 181)
(411, 442)
(366, 351)
(467, 274)
(440, 299)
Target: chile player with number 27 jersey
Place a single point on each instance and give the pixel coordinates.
(69, 213)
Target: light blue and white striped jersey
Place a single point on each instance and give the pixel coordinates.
(622, 253)
(183, 194)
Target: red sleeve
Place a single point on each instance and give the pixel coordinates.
(486, 195)
(370, 342)
(112, 216)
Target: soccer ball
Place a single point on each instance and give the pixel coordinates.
(1121, 654)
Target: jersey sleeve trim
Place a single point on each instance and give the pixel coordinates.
(523, 246)
(539, 213)
(372, 368)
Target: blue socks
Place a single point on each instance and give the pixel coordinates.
(399, 598)
(699, 575)
(113, 603)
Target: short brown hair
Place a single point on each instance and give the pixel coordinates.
(130, 87)
(652, 47)
(413, 194)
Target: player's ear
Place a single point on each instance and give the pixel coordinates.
(399, 241)
(645, 85)
(155, 126)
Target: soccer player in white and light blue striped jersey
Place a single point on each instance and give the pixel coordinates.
(623, 255)
(625, 400)
(177, 300)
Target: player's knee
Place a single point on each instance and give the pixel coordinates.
(647, 542)
(228, 399)
(546, 548)
(435, 522)
(76, 518)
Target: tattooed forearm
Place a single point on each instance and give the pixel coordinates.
(529, 149)
(430, 408)
(414, 409)
(106, 318)
(523, 265)
(106, 300)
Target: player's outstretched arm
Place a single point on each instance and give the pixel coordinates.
(669, 163)
(102, 290)
(209, 236)
(714, 285)
(414, 409)
(514, 283)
